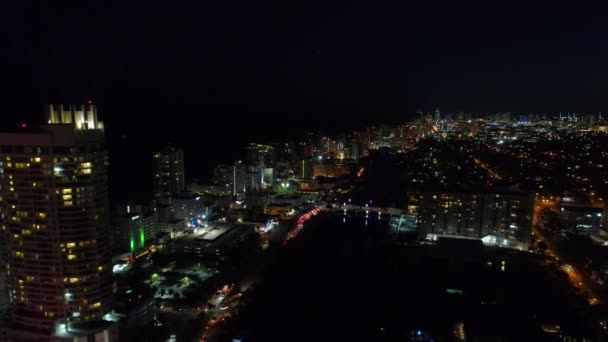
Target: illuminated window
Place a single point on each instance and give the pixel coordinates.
(19, 254)
(85, 168)
(37, 159)
(74, 280)
(71, 244)
(67, 197)
(42, 215)
(71, 256)
(68, 203)
(100, 268)
(95, 305)
(66, 191)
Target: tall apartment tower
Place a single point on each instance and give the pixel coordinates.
(55, 237)
(239, 178)
(169, 172)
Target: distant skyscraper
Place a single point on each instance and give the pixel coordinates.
(305, 168)
(55, 235)
(222, 174)
(260, 155)
(169, 172)
(239, 177)
(437, 114)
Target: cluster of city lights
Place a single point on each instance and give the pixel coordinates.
(300, 223)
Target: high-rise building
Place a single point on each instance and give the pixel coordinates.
(239, 178)
(222, 174)
(450, 214)
(55, 236)
(169, 172)
(253, 181)
(496, 219)
(305, 168)
(260, 155)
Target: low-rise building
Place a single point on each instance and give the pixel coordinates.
(166, 212)
(173, 227)
(282, 210)
(216, 241)
(128, 233)
(138, 309)
(582, 220)
(331, 168)
(150, 222)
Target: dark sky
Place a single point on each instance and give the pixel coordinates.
(222, 71)
(382, 57)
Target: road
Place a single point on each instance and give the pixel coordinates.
(229, 299)
(224, 306)
(577, 278)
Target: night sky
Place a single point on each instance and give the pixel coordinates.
(212, 75)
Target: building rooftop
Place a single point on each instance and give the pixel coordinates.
(214, 232)
(83, 329)
(280, 205)
(288, 197)
(210, 234)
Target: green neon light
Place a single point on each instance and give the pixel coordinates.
(132, 244)
(142, 237)
(453, 291)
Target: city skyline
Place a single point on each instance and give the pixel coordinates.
(212, 171)
(385, 60)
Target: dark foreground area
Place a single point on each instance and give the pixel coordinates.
(347, 280)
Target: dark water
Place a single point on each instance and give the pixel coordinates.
(345, 280)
